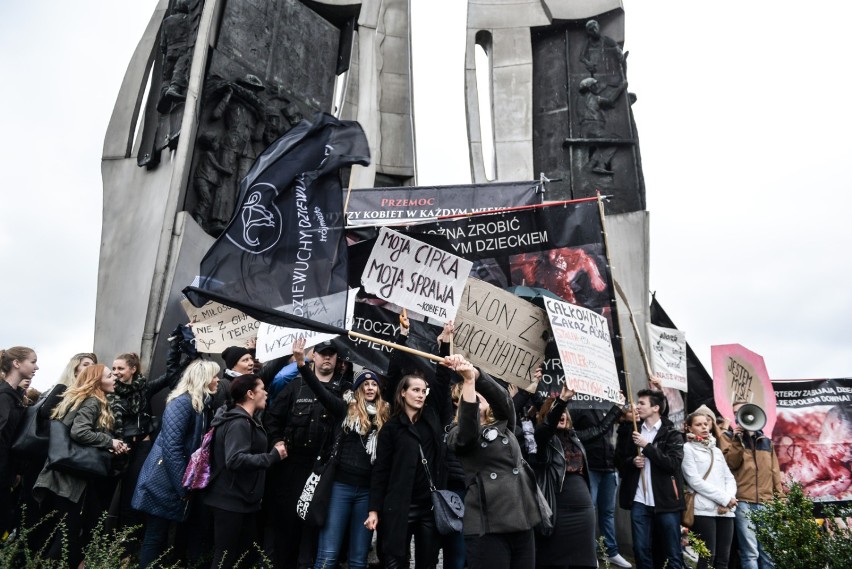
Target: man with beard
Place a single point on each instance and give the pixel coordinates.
(299, 419)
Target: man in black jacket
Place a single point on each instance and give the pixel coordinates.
(652, 483)
(299, 419)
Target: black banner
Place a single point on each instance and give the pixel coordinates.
(558, 248)
(282, 258)
(374, 206)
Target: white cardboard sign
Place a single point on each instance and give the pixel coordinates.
(415, 275)
(585, 349)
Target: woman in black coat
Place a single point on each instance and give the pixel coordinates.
(561, 456)
(400, 501)
(238, 472)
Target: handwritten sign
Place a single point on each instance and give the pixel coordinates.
(277, 341)
(667, 351)
(740, 374)
(500, 333)
(415, 275)
(218, 326)
(585, 349)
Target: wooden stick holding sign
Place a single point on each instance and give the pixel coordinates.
(426, 355)
(621, 338)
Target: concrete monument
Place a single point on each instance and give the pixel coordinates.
(211, 84)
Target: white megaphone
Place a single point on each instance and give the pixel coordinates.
(751, 417)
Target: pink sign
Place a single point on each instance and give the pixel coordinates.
(740, 374)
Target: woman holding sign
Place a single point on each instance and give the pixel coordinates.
(571, 543)
(501, 507)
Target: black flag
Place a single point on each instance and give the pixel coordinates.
(282, 259)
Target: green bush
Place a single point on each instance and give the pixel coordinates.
(789, 532)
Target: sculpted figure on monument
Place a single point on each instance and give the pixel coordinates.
(176, 45)
(602, 54)
(209, 178)
(243, 114)
(594, 104)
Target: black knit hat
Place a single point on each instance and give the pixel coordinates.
(233, 354)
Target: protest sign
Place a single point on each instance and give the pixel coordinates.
(415, 275)
(277, 341)
(217, 326)
(381, 206)
(813, 436)
(585, 349)
(740, 374)
(500, 333)
(668, 356)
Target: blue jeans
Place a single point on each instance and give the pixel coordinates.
(156, 540)
(647, 526)
(603, 486)
(752, 555)
(347, 510)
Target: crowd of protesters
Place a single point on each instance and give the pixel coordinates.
(538, 481)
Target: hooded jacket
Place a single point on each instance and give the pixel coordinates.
(239, 461)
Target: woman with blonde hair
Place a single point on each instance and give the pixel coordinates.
(32, 464)
(84, 409)
(363, 412)
(75, 365)
(159, 491)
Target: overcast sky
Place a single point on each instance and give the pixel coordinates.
(745, 134)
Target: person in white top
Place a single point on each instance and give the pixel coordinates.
(706, 473)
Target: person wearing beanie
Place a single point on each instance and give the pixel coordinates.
(238, 361)
(300, 418)
(360, 413)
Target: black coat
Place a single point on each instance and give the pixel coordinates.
(397, 461)
(11, 412)
(665, 454)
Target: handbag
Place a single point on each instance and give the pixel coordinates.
(312, 505)
(66, 455)
(447, 506)
(33, 434)
(687, 518)
(197, 473)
